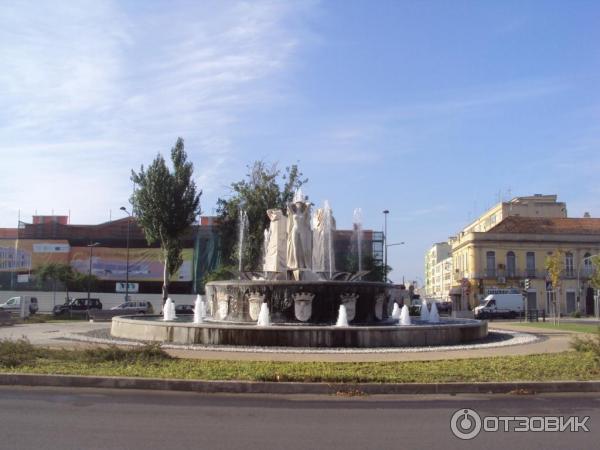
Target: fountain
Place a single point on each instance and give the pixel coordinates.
(264, 319)
(404, 316)
(424, 312)
(357, 224)
(329, 226)
(396, 311)
(169, 310)
(342, 320)
(242, 226)
(434, 316)
(305, 295)
(199, 310)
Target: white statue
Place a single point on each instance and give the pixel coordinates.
(275, 242)
(299, 239)
(323, 251)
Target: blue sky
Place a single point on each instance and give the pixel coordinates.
(433, 110)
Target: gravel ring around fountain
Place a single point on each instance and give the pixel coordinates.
(494, 339)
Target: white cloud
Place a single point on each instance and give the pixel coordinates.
(90, 91)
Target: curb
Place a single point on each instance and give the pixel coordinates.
(265, 387)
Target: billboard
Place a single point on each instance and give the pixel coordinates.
(145, 264)
(23, 255)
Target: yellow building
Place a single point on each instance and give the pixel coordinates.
(537, 205)
(516, 248)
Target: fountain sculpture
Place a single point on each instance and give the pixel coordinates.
(300, 299)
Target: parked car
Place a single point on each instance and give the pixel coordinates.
(135, 307)
(13, 304)
(444, 306)
(415, 306)
(77, 306)
(184, 309)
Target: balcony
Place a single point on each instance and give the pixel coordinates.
(512, 274)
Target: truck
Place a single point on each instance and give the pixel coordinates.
(494, 306)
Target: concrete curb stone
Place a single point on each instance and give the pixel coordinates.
(260, 387)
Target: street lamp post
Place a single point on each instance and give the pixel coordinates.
(385, 214)
(91, 246)
(579, 284)
(386, 250)
(127, 257)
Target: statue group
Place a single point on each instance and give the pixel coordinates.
(296, 243)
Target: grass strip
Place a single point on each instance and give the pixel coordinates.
(152, 362)
(563, 326)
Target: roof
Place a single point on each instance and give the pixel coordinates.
(8, 233)
(538, 225)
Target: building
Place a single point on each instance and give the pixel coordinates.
(515, 249)
(107, 252)
(117, 250)
(537, 205)
(438, 270)
(508, 244)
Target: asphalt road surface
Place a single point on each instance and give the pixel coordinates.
(56, 418)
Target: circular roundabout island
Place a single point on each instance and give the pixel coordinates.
(184, 331)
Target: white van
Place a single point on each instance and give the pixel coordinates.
(13, 304)
(500, 305)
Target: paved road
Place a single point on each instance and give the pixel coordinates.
(53, 418)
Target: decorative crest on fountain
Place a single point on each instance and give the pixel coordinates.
(303, 305)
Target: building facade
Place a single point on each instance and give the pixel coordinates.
(438, 270)
(516, 249)
(117, 250)
(509, 244)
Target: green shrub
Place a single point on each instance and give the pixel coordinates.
(17, 353)
(147, 353)
(576, 314)
(588, 345)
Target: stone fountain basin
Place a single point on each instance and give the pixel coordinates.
(184, 331)
(300, 301)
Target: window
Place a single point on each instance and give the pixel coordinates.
(530, 264)
(511, 264)
(587, 265)
(490, 264)
(569, 271)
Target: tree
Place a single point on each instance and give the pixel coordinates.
(555, 265)
(374, 267)
(166, 204)
(64, 273)
(265, 187)
(595, 278)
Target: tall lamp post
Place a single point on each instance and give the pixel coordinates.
(91, 247)
(385, 214)
(127, 257)
(386, 250)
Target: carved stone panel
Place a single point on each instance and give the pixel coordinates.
(255, 300)
(303, 305)
(349, 301)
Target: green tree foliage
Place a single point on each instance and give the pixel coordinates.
(375, 267)
(265, 187)
(555, 265)
(64, 274)
(165, 204)
(595, 278)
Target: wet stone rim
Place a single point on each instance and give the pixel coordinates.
(494, 339)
